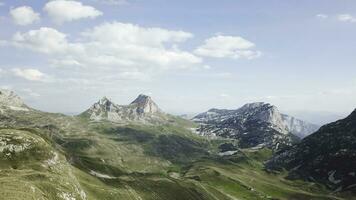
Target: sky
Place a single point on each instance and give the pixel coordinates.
(190, 56)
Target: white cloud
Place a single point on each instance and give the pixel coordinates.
(30, 74)
(131, 45)
(63, 11)
(44, 40)
(228, 47)
(346, 18)
(321, 16)
(24, 15)
(2, 3)
(112, 47)
(133, 34)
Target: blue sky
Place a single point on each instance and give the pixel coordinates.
(190, 56)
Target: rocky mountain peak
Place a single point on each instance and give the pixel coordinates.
(254, 124)
(145, 104)
(143, 109)
(104, 104)
(104, 100)
(11, 100)
(353, 115)
(259, 107)
(255, 105)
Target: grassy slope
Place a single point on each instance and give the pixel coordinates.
(243, 177)
(32, 169)
(139, 162)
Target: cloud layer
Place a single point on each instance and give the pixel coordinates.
(228, 47)
(124, 48)
(24, 15)
(346, 18)
(65, 11)
(29, 74)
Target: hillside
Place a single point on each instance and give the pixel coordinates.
(53, 156)
(327, 156)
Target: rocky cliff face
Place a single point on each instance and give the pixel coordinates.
(9, 100)
(327, 156)
(143, 109)
(254, 124)
(144, 104)
(298, 127)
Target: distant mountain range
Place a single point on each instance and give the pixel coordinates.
(255, 124)
(137, 151)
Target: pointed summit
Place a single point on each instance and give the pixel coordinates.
(103, 100)
(353, 114)
(9, 99)
(142, 109)
(145, 104)
(104, 104)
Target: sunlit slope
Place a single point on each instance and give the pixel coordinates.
(104, 160)
(32, 169)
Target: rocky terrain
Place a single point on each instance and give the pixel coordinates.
(327, 156)
(140, 153)
(143, 109)
(9, 100)
(254, 125)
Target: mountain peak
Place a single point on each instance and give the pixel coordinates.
(142, 98)
(259, 105)
(255, 104)
(141, 109)
(254, 124)
(104, 100)
(145, 104)
(11, 100)
(353, 114)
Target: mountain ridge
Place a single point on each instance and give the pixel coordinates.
(142, 109)
(54, 156)
(251, 123)
(10, 100)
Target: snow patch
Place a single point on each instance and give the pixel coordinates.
(100, 175)
(227, 153)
